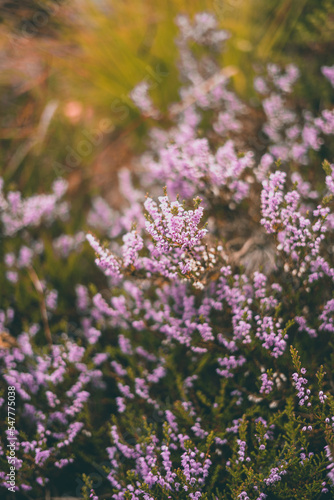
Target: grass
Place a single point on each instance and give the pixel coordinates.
(93, 56)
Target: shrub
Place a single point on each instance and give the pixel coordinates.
(197, 364)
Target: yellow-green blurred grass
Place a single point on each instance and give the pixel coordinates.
(121, 44)
(109, 46)
(99, 54)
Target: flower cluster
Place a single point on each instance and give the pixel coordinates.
(171, 225)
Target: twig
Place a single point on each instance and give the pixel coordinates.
(204, 88)
(244, 249)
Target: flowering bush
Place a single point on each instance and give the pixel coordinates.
(198, 363)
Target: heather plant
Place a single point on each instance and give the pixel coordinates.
(196, 360)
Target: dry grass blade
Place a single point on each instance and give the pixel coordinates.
(37, 138)
(39, 289)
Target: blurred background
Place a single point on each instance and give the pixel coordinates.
(67, 67)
